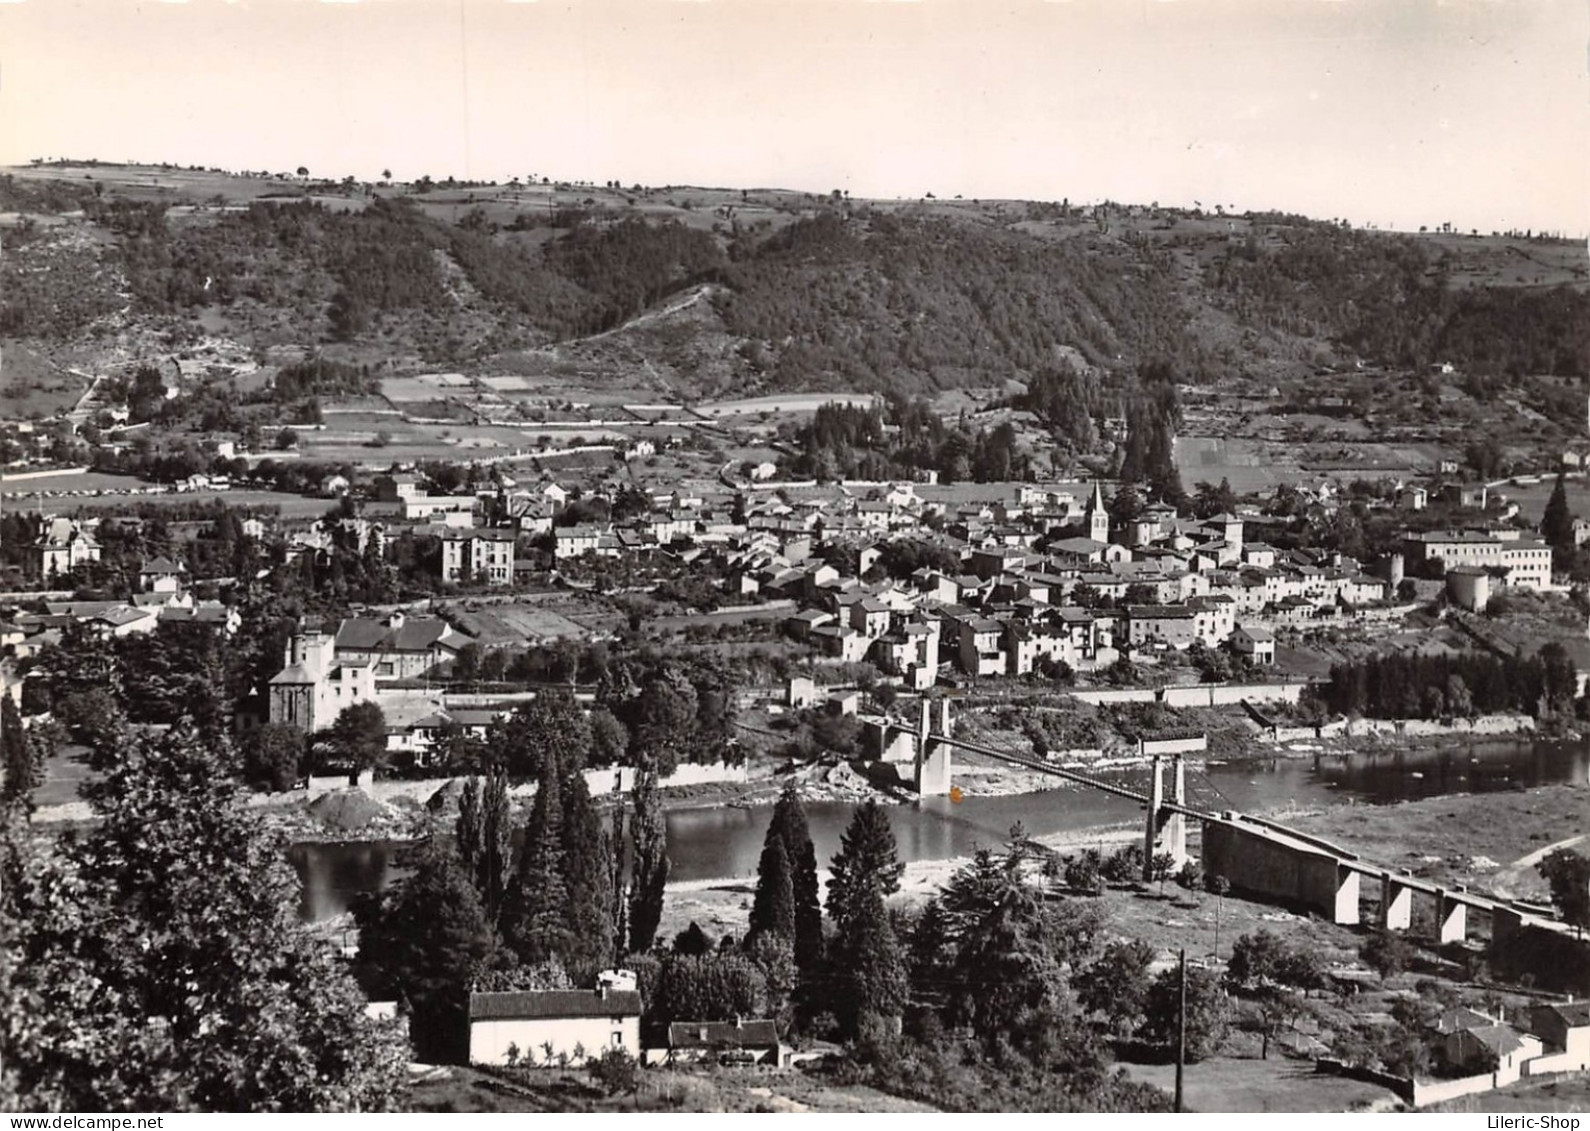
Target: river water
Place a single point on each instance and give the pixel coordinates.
(726, 842)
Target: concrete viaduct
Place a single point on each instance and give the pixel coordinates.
(1262, 858)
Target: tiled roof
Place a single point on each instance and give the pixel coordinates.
(549, 1004)
(722, 1034)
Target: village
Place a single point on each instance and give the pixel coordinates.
(928, 586)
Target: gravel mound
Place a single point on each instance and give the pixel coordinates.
(349, 809)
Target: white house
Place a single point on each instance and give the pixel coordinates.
(560, 1026)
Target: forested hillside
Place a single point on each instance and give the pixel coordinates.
(819, 293)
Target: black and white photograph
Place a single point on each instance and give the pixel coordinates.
(799, 556)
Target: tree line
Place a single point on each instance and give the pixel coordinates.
(1413, 686)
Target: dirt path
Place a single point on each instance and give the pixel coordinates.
(1502, 882)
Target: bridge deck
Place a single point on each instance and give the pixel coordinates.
(1269, 830)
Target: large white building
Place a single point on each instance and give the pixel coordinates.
(1527, 561)
(480, 554)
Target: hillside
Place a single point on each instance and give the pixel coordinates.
(714, 292)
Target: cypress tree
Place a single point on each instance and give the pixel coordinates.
(533, 914)
(1556, 524)
(469, 827)
(867, 866)
(21, 760)
(650, 875)
(789, 825)
(773, 908)
(494, 862)
(588, 882)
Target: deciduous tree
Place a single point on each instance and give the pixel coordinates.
(159, 964)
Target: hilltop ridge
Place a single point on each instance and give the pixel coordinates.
(720, 292)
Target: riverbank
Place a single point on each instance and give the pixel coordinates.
(1487, 841)
(723, 906)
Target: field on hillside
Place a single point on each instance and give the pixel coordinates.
(1242, 1084)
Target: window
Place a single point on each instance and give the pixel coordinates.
(618, 1040)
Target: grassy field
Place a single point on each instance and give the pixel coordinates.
(1531, 499)
(1451, 838)
(1222, 1084)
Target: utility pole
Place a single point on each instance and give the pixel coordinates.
(1181, 1021)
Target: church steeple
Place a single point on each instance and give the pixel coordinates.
(1098, 517)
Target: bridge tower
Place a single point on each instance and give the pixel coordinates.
(1156, 801)
(933, 758)
(1160, 820)
(1175, 823)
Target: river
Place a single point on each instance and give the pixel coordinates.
(726, 842)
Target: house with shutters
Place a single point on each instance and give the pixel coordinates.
(479, 554)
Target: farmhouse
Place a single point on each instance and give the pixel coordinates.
(563, 1026)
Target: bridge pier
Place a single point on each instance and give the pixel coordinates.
(1165, 831)
(933, 758)
(1175, 823)
(1451, 917)
(1347, 894)
(1396, 905)
(1156, 799)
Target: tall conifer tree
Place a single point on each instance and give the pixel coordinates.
(867, 866)
(773, 908)
(789, 825)
(588, 883)
(650, 875)
(533, 914)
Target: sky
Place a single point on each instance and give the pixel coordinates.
(1395, 113)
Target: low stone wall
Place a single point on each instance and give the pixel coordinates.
(1401, 1085)
(1197, 695)
(1427, 1092)
(1424, 728)
(690, 773)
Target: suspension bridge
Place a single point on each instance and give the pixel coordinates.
(1258, 858)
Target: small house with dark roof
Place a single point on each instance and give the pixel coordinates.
(1468, 1040)
(162, 575)
(520, 1026)
(724, 1042)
